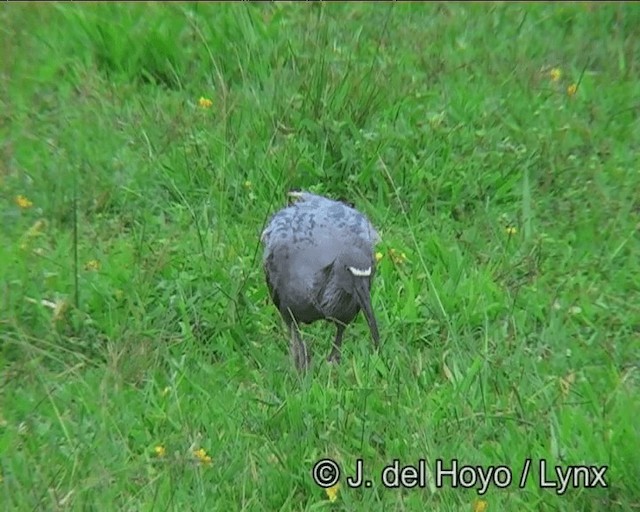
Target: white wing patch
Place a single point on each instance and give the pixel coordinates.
(360, 273)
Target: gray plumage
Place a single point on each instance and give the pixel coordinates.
(319, 264)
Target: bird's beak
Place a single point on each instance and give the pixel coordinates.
(363, 295)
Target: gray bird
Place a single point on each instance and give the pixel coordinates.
(319, 264)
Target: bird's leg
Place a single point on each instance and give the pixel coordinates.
(299, 351)
(334, 357)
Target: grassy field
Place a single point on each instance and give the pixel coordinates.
(142, 149)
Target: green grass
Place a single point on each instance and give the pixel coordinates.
(134, 312)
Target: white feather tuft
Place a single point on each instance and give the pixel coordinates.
(360, 273)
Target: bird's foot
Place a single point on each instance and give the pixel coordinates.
(334, 357)
(301, 357)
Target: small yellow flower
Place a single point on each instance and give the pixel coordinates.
(572, 89)
(248, 184)
(555, 74)
(511, 230)
(479, 506)
(160, 451)
(379, 256)
(205, 102)
(202, 456)
(332, 492)
(397, 256)
(92, 265)
(23, 202)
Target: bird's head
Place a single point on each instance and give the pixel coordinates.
(354, 273)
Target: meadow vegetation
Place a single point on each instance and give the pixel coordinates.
(495, 146)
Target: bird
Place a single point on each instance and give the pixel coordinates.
(319, 264)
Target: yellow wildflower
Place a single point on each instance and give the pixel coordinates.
(379, 256)
(160, 451)
(205, 102)
(248, 184)
(555, 74)
(511, 230)
(572, 89)
(202, 456)
(92, 265)
(332, 492)
(479, 506)
(397, 256)
(23, 202)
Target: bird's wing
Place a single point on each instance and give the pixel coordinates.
(269, 268)
(347, 223)
(316, 216)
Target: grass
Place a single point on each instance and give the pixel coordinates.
(495, 145)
